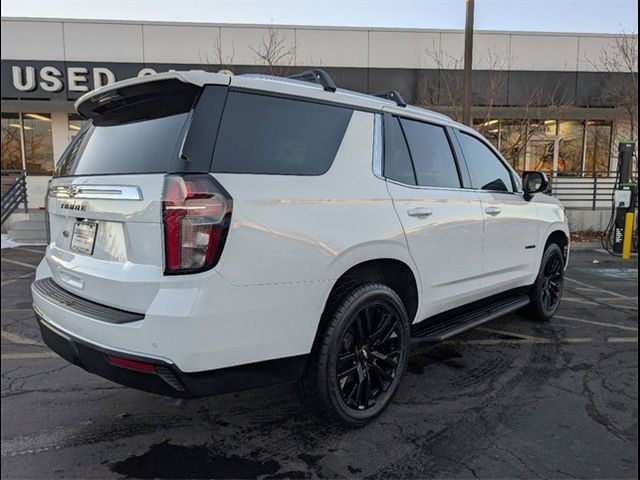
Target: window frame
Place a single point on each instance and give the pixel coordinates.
(516, 184)
(463, 176)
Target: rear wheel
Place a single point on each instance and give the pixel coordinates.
(357, 363)
(546, 292)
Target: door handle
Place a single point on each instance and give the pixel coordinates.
(419, 212)
(493, 210)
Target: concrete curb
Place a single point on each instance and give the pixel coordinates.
(582, 246)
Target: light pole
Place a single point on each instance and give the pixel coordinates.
(468, 60)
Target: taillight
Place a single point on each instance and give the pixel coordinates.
(196, 213)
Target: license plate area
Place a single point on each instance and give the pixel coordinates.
(84, 237)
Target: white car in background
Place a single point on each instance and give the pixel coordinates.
(213, 233)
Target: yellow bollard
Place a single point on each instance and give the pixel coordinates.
(628, 236)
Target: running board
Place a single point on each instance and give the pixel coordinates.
(444, 326)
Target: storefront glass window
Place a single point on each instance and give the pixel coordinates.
(541, 155)
(11, 151)
(543, 128)
(571, 133)
(598, 150)
(490, 129)
(513, 142)
(38, 143)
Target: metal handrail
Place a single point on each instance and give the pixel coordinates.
(579, 191)
(15, 195)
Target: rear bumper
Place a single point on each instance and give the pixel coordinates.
(167, 379)
(197, 323)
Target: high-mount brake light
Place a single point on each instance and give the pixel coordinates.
(196, 214)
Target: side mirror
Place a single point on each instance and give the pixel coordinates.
(534, 182)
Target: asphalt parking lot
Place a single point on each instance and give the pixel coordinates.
(513, 399)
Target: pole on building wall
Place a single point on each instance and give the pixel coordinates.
(23, 148)
(468, 61)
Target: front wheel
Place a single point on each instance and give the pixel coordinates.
(358, 360)
(546, 292)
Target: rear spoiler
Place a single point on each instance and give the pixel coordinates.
(112, 104)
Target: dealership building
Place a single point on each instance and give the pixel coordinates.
(546, 100)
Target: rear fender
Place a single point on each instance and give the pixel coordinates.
(371, 251)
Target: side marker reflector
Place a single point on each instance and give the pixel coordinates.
(131, 364)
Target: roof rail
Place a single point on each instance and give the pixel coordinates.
(317, 76)
(393, 95)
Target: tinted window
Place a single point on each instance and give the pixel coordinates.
(431, 154)
(397, 162)
(486, 170)
(140, 147)
(263, 134)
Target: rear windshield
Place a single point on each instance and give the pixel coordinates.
(141, 147)
(272, 135)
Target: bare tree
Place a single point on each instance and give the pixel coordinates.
(445, 88)
(278, 54)
(37, 151)
(441, 90)
(223, 63)
(11, 150)
(498, 65)
(620, 89)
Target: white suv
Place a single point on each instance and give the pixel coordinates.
(213, 233)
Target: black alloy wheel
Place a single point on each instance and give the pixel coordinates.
(546, 292)
(369, 356)
(359, 356)
(552, 282)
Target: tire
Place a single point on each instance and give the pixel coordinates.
(546, 292)
(359, 356)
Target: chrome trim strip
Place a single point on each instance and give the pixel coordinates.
(377, 145)
(452, 189)
(96, 192)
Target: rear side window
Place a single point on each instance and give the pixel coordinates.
(397, 161)
(433, 159)
(140, 147)
(271, 135)
(486, 170)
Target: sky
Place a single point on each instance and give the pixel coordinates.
(592, 16)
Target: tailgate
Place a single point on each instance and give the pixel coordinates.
(106, 238)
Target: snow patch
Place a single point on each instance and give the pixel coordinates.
(8, 243)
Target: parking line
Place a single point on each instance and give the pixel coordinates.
(25, 356)
(600, 324)
(518, 341)
(24, 249)
(625, 307)
(20, 340)
(578, 300)
(16, 262)
(622, 340)
(601, 299)
(15, 279)
(510, 334)
(597, 289)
